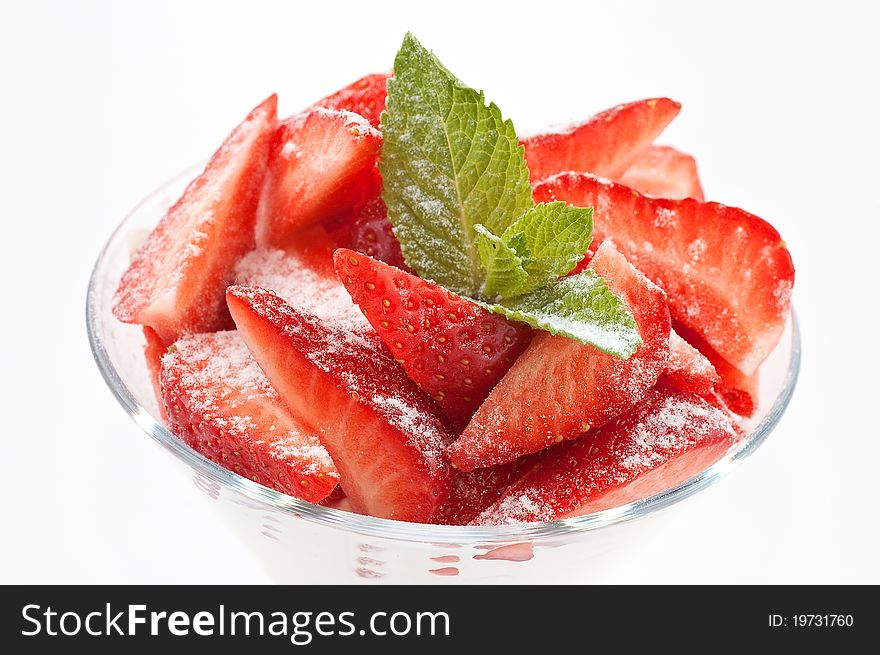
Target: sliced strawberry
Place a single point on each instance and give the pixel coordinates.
(727, 272)
(321, 167)
(473, 492)
(154, 349)
(219, 403)
(687, 368)
(664, 172)
(368, 231)
(176, 280)
(386, 437)
(667, 439)
(737, 392)
(607, 144)
(366, 97)
(560, 388)
(452, 348)
(304, 277)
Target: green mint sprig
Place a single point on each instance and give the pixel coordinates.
(545, 243)
(457, 190)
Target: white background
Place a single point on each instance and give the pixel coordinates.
(102, 102)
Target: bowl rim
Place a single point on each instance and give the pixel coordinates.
(270, 499)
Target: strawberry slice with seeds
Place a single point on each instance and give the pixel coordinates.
(365, 96)
(606, 145)
(176, 280)
(385, 435)
(667, 439)
(219, 403)
(728, 273)
(687, 368)
(455, 350)
(321, 167)
(664, 172)
(560, 388)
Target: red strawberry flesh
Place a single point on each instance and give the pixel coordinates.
(369, 231)
(667, 439)
(176, 280)
(728, 273)
(664, 172)
(386, 437)
(365, 96)
(321, 167)
(473, 492)
(738, 392)
(455, 350)
(560, 388)
(688, 369)
(220, 403)
(607, 144)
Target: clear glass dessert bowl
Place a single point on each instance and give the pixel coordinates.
(300, 542)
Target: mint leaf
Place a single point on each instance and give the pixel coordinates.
(504, 267)
(580, 307)
(545, 243)
(550, 240)
(457, 190)
(448, 162)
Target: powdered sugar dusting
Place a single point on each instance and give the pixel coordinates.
(678, 424)
(782, 295)
(696, 249)
(283, 449)
(222, 385)
(423, 429)
(288, 276)
(665, 218)
(526, 506)
(219, 359)
(357, 124)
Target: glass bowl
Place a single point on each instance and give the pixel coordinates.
(299, 542)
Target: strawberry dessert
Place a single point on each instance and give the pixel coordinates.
(390, 302)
